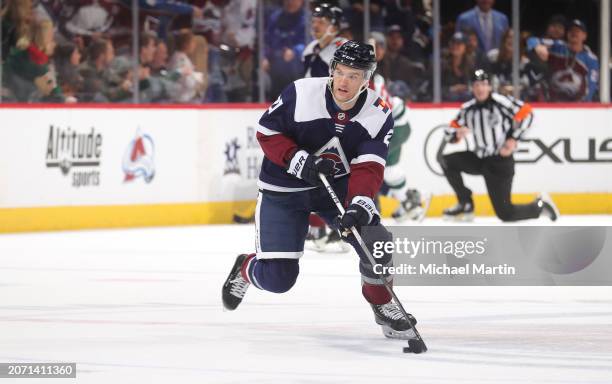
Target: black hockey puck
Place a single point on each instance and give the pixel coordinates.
(415, 346)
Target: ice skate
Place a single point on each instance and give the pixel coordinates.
(321, 240)
(394, 324)
(459, 212)
(235, 285)
(546, 203)
(413, 207)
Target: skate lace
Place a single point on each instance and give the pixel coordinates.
(239, 287)
(392, 311)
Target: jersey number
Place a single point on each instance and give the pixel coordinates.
(387, 138)
(275, 105)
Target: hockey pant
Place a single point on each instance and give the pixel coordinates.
(281, 221)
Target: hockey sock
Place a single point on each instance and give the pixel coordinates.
(316, 221)
(375, 294)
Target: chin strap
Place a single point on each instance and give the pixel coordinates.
(328, 33)
(330, 82)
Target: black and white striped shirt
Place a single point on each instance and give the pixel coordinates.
(492, 122)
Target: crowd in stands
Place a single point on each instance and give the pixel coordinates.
(205, 51)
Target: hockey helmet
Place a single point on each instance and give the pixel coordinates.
(480, 75)
(330, 12)
(356, 54)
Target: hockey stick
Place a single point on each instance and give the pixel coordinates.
(415, 345)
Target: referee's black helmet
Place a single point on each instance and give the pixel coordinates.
(480, 75)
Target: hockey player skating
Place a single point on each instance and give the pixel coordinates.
(412, 203)
(497, 122)
(339, 128)
(317, 56)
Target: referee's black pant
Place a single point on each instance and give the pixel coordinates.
(498, 173)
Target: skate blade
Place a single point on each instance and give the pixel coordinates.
(390, 333)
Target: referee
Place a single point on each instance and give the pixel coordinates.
(496, 122)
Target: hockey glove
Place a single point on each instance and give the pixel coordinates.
(362, 211)
(307, 167)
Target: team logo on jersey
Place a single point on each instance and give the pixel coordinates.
(138, 159)
(231, 157)
(382, 105)
(333, 150)
(341, 116)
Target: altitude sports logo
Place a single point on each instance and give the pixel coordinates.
(75, 153)
(139, 158)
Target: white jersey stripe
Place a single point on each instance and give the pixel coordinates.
(369, 157)
(266, 131)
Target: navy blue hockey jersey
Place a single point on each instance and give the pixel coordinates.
(305, 117)
(317, 60)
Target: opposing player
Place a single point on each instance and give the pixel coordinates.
(333, 126)
(497, 122)
(413, 204)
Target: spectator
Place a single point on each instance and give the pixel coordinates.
(555, 29)
(239, 34)
(396, 66)
(355, 17)
(100, 54)
(118, 80)
(157, 16)
(535, 73)
(500, 65)
(28, 72)
(191, 82)
(574, 69)
(488, 24)
(67, 59)
(146, 53)
(479, 57)
(89, 20)
(160, 58)
(164, 83)
(457, 66)
(420, 46)
(401, 12)
(16, 20)
(210, 26)
(285, 38)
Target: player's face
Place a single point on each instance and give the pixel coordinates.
(481, 90)
(319, 25)
(347, 82)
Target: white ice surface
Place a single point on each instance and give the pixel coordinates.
(143, 306)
